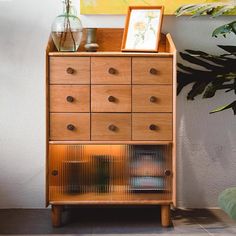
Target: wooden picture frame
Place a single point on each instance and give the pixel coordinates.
(142, 29)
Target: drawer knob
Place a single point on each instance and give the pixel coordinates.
(167, 173)
(70, 71)
(153, 127)
(111, 99)
(70, 127)
(54, 172)
(112, 128)
(153, 99)
(112, 71)
(153, 71)
(70, 99)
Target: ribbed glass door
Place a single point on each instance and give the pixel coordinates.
(110, 173)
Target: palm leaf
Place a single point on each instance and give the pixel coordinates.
(226, 107)
(214, 9)
(220, 10)
(225, 29)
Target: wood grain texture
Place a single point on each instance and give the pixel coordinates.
(130, 202)
(111, 54)
(142, 96)
(100, 70)
(174, 157)
(110, 142)
(109, 40)
(141, 67)
(101, 122)
(142, 121)
(137, 66)
(165, 215)
(79, 95)
(60, 121)
(79, 65)
(100, 98)
(56, 215)
(50, 47)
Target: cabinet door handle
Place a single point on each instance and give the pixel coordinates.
(112, 71)
(112, 128)
(70, 71)
(70, 99)
(153, 71)
(153, 99)
(54, 173)
(153, 127)
(70, 127)
(111, 99)
(168, 173)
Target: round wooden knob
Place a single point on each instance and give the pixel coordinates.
(70, 99)
(153, 71)
(153, 127)
(70, 70)
(153, 99)
(112, 128)
(111, 99)
(112, 71)
(55, 172)
(70, 127)
(167, 172)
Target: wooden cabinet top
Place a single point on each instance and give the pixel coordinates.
(109, 41)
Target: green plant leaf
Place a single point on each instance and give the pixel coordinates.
(214, 9)
(226, 107)
(223, 10)
(188, 9)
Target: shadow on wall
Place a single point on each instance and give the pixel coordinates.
(205, 142)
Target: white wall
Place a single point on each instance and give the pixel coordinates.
(206, 143)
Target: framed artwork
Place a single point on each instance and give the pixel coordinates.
(143, 29)
(121, 6)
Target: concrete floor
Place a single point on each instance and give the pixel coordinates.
(116, 221)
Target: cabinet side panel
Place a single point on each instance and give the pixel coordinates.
(174, 126)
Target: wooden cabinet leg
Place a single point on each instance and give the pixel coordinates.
(165, 215)
(56, 215)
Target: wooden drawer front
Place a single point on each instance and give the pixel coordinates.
(149, 70)
(110, 70)
(111, 98)
(69, 70)
(70, 98)
(152, 126)
(70, 126)
(111, 127)
(152, 98)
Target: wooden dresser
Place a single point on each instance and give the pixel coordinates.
(111, 126)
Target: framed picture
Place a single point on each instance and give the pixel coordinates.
(143, 29)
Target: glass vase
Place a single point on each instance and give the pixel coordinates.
(67, 29)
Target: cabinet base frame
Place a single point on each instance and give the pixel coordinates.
(56, 215)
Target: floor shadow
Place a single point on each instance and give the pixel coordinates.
(105, 220)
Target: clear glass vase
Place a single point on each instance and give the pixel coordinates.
(67, 29)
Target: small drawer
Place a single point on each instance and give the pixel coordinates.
(69, 98)
(70, 126)
(69, 70)
(110, 98)
(148, 126)
(149, 70)
(111, 127)
(152, 98)
(110, 70)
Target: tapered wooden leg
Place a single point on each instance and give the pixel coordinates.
(165, 215)
(56, 215)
